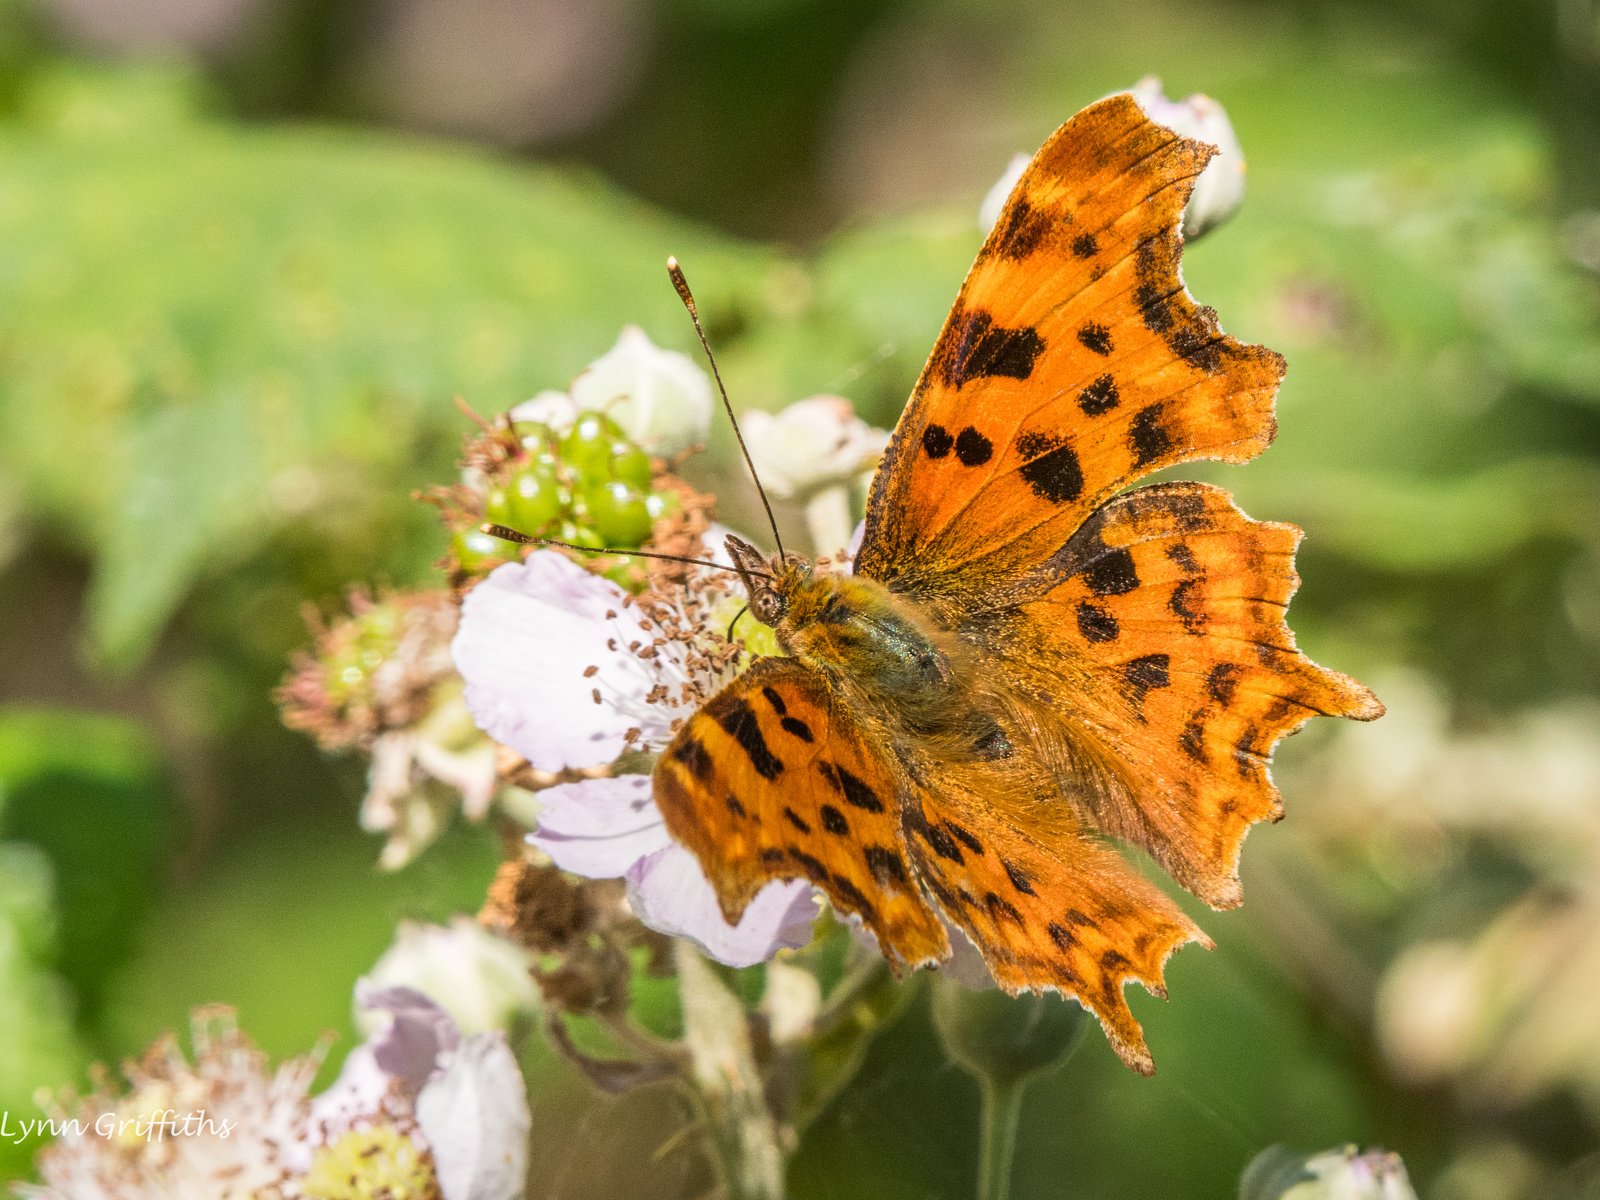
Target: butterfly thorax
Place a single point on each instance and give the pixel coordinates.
(878, 651)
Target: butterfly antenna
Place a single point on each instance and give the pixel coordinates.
(506, 534)
(684, 294)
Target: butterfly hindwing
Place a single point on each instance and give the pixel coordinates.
(1049, 907)
(1164, 633)
(1072, 364)
(772, 780)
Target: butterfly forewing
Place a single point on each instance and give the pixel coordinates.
(1072, 364)
(772, 781)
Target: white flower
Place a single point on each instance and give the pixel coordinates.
(660, 398)
(545, 649)
(813, 443)
(481, 980)
(1349, 1175)
(1220, 189)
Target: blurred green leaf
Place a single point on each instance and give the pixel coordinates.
(36, 1008)
(92, 795)
(203, 323)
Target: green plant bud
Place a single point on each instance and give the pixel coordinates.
(536, 436)
(473, 549)
(1004, 1038)
(586, 447)
(619, 514)
(626, 571)
(580, 535)
(659, 504)
(631, 465)
(534, 498)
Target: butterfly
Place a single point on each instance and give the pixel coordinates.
(1030, 661)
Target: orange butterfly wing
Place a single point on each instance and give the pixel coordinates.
(1165, 638)
(1072, 364)
(1048, 906)
(772, 780)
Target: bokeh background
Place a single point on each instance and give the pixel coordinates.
(251, 249)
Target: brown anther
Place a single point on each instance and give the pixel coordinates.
(590, 672)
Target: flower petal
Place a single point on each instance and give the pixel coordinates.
(670, 894)
(475, 1118)
(600, 827)
(528, 633)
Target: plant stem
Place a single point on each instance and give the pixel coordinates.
(1001, 1111)
(742, 1136)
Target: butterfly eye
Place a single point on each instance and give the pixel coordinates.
(768, 606)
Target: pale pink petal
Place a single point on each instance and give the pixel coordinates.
(600, 827)
(474, 1117)
(528, 632)
(670, 894)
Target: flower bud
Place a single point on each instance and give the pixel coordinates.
(1220, 189)
(481, 980)
(1004, 1038)
(660, 398)
(813, 443)
(1279, 1174)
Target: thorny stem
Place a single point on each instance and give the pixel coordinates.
(741, 1134)
(1001, 1110)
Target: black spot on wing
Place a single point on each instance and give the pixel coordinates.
(977, 348)
(1099, 397)
(797, 727)
(936, 441)
(1055, 474)
(1018, 879)
(852, 897)
(1181, 605)
(1193, 739)
(854, 790)
(972, 448)
(736, 808)
(1222, 681)
(813, 866)
(833, 821)
(1021, 230)
(1084, 245)
(739, 720)
(692, 753)
(965, 838)
(1097, 624)
(1184, 558)
(999, 907)
(795, 819)
(774, 699)
(1148, 435)
(886, 865)
(1111, 574)
(1147, 672)
(1095, 337)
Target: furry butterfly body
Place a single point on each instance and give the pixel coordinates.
(1029, 658)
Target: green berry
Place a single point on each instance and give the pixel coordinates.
(619, 513)
(535, 436)
(586, 448)
(473, 549)
(659, 504)
(631, 465)
(580, 535)
(534, 498)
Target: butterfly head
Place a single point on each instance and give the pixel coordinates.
(771, 582)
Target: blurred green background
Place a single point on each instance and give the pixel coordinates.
(251, 249)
